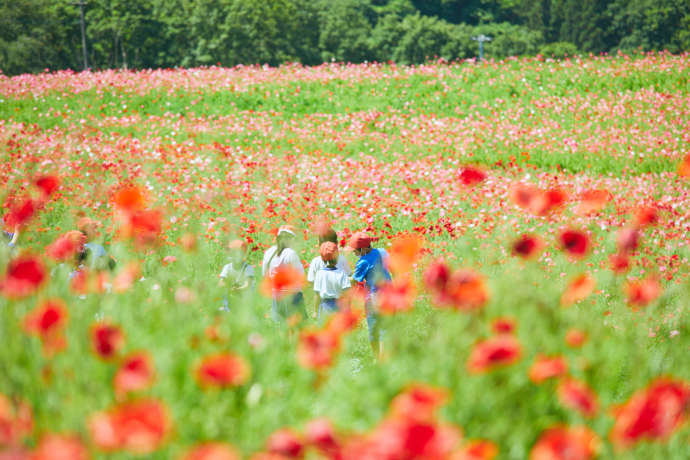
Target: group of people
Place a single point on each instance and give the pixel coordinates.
(329, 275)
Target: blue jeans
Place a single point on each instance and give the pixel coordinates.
(327, 306)
(282, 309)
(375, 332)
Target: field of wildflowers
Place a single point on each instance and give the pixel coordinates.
(537, 214)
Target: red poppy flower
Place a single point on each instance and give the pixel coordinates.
(684, 166)
(646, 216)
(411, 439)
(16, 422)
(397, 296)
(344, 320)
(592, 201)
(285, 281)
(60, 447)
(222, 370)
(24, 276)
(418, 402)
(576, 395)
(47, 321)
(287, 443)
(578, 289)
(555, 199)
(126, 278)
(317, 348)
(144, 226)
(47, 184)
(320, 434)
(643, 292)
(66, 246)
(529, 198)
(466, 290)
(528, 246)
(575, 338)
(136, 373)
(479, 449)
(653, 413)
(545, 367)
(472, 176)
(497, 351)
(20, 213)
(566, 443)
(404, 252)
(106, 340)
(627, 240)
(139, 426)
(619, 263)
(436, 278)
(503, 325)
(129, 199)
(575, 242)
(212, 451)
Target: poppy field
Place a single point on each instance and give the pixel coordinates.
(536, 214)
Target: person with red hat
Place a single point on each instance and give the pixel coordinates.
(371, 270)
(237, 275)
(326, 233)
(279, 254)
(330, 281)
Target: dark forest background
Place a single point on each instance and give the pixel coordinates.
(45, 34)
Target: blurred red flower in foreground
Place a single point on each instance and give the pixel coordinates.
(344, 320)
(20, 212)
(652, 413)
(578, 289)
(47, 184)
(47, 321)
(106, 340)
(66, 246)
(286, 442)
(576, 395)
(471, 175)
(500, 350)
(463, 289)
(527, 246)
(212, 451)
(643, 292)
(592, 201)
(129, 199)
(646, 215)
(619, 263)
(479, 449)
(565, 443)
(136, 373)
(536, 201)
(320, 434)
(16, 422)
(317, 348)
(397, 296)
(627, 239)
(138, 426)
(404, 252)
(286, 280)
(575, 338)
(418, 402)
(222, 370)
(24, 276)
(575, 242)
(545, 368)
(60, 447)
(503, 325)
(684, 166)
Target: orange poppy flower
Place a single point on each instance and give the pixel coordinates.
(66, 246)
(545, 368)
(222, 370)
(286, 280)
(404, 252)
(592, 201)
(212, 451)
(576, 395)
(566, 443)
(320, 434)
(478, 449)
(16, 422)
(418, 402)
(129, 199)
(60, 447)
(397, 296)
(684, 166)
(643, 292)
(47, 321)
(317, 348)
(467, 290)
(528, 246)
(47, 185)
(619, 263)
(497, 351)
(575, 338)
(578, 289)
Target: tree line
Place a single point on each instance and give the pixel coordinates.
(45, 34)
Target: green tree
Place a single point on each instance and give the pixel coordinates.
(651, 25)
(345, 27)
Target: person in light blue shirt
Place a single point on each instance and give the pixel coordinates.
(370, 269)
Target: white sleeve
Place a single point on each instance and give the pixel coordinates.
(345, 281)
(318, 281)
(311, 274)
(225, 271)
(344, 265)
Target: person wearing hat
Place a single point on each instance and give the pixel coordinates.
(371, 270)
(283, 254)
(330, 281)
(237, 275)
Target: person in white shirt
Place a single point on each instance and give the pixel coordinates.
(237, 275)
(317, 263)
(284, 306)
(330, 281)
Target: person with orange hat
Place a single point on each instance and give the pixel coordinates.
(279, 254)
(330, 281)
(371, 270)
(237, 275)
